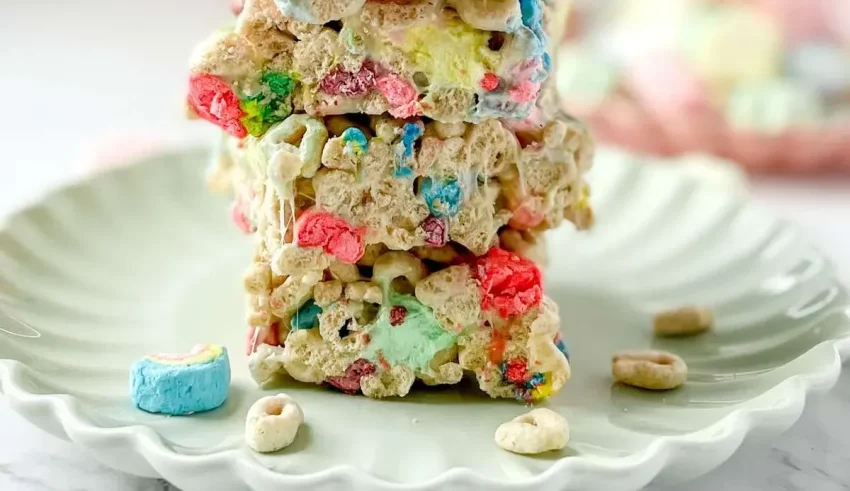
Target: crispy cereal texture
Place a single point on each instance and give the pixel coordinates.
(397, 189)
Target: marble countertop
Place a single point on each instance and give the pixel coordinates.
(107, 69)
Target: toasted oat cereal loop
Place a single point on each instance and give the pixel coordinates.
(272, 423)
(537, 431)
(685, 321)
(281, 141)
(649, 369)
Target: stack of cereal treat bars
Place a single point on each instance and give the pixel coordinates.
(397, 165)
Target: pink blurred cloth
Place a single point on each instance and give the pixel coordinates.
(801, 19)
(621, 122)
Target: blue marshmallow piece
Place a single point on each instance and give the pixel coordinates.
(444, 198)
(197, 382)
(355, 141)
(404, 149)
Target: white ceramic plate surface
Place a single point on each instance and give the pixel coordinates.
(144, 260)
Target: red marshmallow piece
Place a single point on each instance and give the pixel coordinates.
(268, 335)
(350, 84)
(435, 231)
(524, 92)
(401, 95)
(490, 82)
(516, 371)
(527, 215)
(509, 284)
(333, 234)
(213, 100)
(397, 315)
(350, 382)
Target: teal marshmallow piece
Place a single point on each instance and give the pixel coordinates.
(307, 317)
(412, 343)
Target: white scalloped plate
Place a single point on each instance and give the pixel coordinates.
(144, 259)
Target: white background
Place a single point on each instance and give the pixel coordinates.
(73, 73)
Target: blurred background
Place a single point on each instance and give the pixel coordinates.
(78, 75)
(765, 83)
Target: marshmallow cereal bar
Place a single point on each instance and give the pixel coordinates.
(396, 238)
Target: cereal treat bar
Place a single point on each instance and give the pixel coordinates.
(393, 246)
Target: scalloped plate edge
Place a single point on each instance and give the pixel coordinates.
(62, 416)
(57, 411)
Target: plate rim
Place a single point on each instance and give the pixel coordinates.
(635, 470)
